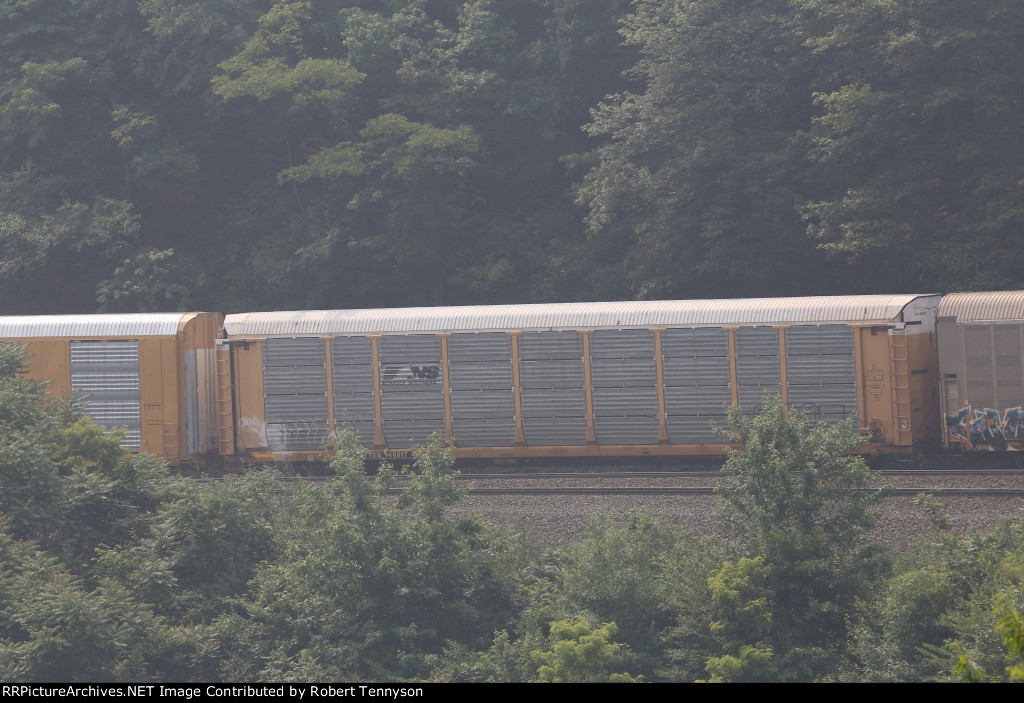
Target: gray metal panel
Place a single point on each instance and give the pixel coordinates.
(483, 403)
(206, 392)
(412, 405)
(191, 403)
(108, 373)
(354, 407)
(700, 341)
(293, 380)
(466, 375)
(1006, 340)
(304, 351)
(625, 401)
(553, 403)
(413, 349)
(695, 429)
(560, 431)
(487, 346)
(295, 393)
(550, 345)
(406, 432)
(750, 397)
(353, 379)
(351, 351)
(484, 432)
(619, 373)
(841, 399)
(412, 388)
(819, 339)
(621, 344)
(297, 435)
(700, 370)
(762, 370)
(632, 429)
(806, 370)
(284, 408)
(365, 431)
(757, 341)
(557, 373)
(692, 400)
(757, 366)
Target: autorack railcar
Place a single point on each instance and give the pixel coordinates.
(153, 374)
(981, 361)
(579, 379)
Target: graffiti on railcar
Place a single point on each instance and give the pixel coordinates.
(986, 429)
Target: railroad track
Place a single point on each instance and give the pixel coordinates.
(992, 483)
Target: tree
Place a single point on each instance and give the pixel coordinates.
(696, 185)
(581, 654)
(796, 495)
(371, 586)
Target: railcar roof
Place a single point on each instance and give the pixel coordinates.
(987, 306)
(112, 325)
(554, 316)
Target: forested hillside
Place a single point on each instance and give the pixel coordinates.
(113, 569)
(251, 154)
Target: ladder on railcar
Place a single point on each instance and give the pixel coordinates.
(899, 370)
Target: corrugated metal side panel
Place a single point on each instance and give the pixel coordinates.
(551, 345)
(295, 394)
(114, 325)
(757, 366)
(486, 346)
(821, 371)
(108, 373)
(191, 403)
(482, 400)
(819, 340)
(696, 372)
(625, 393)
(352, 375)
(694, 400)
(696, 429)
(412, 391)
(1007, 352)
(552, 395)
(622, 344)
(302, 351)
(978, 347)
(206, 392)
(613, 315)
(992, 306)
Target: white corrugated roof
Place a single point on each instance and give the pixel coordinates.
(992, 305)
(644, 313)
(112, 325)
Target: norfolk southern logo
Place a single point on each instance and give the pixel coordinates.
(410, 375)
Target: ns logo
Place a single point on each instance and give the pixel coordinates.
(395, 375)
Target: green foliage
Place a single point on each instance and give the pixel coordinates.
(796, 497)
(581, 654)
(616, 574)
(741, 601)
(375, 585)
(150, 281)
(1010, 627)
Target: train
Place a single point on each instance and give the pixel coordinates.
(919, 372)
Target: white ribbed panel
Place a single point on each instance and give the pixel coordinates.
(562, 316)
(119, 325)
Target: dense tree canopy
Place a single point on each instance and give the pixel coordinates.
(342, 153)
